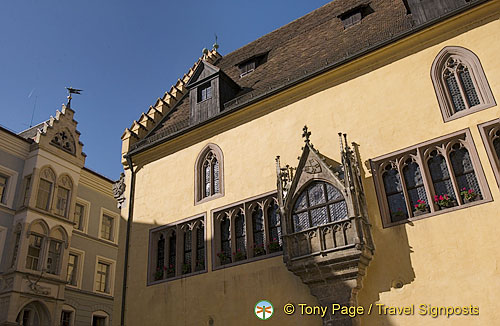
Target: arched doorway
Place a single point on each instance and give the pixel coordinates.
(33, 314)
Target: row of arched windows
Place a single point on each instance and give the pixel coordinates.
(178, 249)
(430, 177)
(248, 230)
(54, 193)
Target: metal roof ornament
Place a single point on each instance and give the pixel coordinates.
(72, 90)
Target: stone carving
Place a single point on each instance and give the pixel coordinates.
(312, 167)
(119, 190)
(65, 141)
(330, 257)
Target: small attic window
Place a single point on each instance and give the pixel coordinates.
(355, 15)
(251, 64)
(204, 92)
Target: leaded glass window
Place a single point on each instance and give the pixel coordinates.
(274, 223)
(240, 234)
(225, 238)
(464, 171)
(414, 184)
(258, 230)
(172, 254)
(454, 91)
(200, 248)
(318, 204)
(468, 85)
(188, 244)
(160, 254)
(440, 176)
(211, 175)
(394, 193)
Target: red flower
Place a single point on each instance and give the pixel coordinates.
(441, 197)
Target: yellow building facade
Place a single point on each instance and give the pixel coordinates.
(386, 98)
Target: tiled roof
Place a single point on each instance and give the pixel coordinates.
(309, 44)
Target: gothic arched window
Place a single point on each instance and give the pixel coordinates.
(318, 204)
(414, 184)
(240, 236)
(225, 241)
(209, 173)
(171, 254)
(464, 171)
(460, 83)
(258, 230)
(394, 193)
(160, 254)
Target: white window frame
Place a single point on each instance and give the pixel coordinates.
(115, 217)
(86, 216)
(10, 190)
(79, 271)
(112, 265)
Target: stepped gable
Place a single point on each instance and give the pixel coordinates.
(58, 134)
(170, 109)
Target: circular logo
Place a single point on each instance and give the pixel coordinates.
(264, 310)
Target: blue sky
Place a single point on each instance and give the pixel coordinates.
(123, 54)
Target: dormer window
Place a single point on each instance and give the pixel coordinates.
(355, 15)
(251, 64)
(204, 92)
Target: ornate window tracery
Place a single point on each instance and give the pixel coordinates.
(64, 140)
(437, 175)
(319, 203)
(460, 83)
(247, 230)
(177, 250)
(209, 173)
(490, 132)
(45, 189)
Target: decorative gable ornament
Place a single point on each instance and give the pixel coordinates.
(326, 232)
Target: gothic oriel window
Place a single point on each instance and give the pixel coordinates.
(319, 203)
(431, 177)
(490, 132)
(177, 250)
(460, 83)
(209, 173)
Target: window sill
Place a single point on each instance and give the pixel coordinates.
(439, 212)
(206, 199)
(248, 260)
(177, 277)
(466, 112)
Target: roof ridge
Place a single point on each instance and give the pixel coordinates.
(163, 106)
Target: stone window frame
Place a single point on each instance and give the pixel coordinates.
(192, 223)
(67, 308)
(48, 174)
(16, 245)
(86, 216)
(114, 225)
(420, 153)
(64, 181)
(79, 267)
(246, 207)
(199, 198)
(487, 131)
(101, 314)
(111, 274)
(481, 86)
(10, 187)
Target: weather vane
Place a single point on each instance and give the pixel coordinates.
(72, 90)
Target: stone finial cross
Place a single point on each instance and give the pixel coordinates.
(306, 134)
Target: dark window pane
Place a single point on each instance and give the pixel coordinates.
(338, 211)
(464, 171)
(333, 193)
(300, 221)
(496, 145)
(319, 216)
(172, 241)
(470, 90)
(395, 197)
(414, 184)
(316, 194)
(186, 267)
(160, 257)
(301, 202)
(200, 248)
(456, 96)
(258, 227)
(274, 223)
